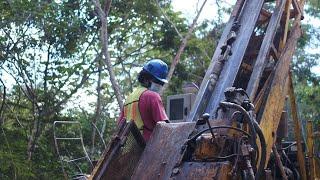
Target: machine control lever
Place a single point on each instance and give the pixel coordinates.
(206, 117)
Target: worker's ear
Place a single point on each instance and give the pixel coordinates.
(146, 83)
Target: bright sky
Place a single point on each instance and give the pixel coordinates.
(316, 23)
(190, 7)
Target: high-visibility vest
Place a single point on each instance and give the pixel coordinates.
(131, 108)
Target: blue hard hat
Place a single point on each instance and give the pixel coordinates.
(157, 68)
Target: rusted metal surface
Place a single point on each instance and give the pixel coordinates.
(163, 151)
(205, 171)
(265, 49)
(206, 147)
(282, 131)
(167, 154)
(279, 162)
(310, 145)
(264, 16)
(245, 152)
(122, 154)
(274, 53)
(247, 20)
(285, 25)
(207, 87)
(276, 98)
(268, 175)
(297, 130)
(263, 92)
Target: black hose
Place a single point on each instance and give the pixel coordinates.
(255, 128)
(218, 127)
(247, 117)
(3, 99)
(263, 145)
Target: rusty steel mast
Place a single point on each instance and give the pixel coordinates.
(231, 130)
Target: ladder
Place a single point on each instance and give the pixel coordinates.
(68, 146)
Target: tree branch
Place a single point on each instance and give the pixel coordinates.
(183, 44)
(104, 40)
(97, 115)
(168, 19)
(3, 100)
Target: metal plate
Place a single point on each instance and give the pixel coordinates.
(122, 155)
(204, 170)
(163, 151)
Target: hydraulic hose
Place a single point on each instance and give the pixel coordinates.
(255, 128)
(263, 145)
(218, 127)
(247, 117)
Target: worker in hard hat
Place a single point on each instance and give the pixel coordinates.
(144, 105)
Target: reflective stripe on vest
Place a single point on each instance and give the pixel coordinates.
(131, 107)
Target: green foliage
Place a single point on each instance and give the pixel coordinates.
(309, 99)
(313, 7)
(196, 57)
(12, 151)
(306, 81)
(51, 49)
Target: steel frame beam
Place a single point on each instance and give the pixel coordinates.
(276, 97)
(297, 129)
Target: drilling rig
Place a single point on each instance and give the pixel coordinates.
(235, 127)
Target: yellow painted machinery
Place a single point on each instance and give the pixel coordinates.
(237, 122)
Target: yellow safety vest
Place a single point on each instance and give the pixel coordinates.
(131, 108)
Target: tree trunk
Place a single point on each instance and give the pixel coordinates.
(36, 114)
(34, 134)
(98, 108)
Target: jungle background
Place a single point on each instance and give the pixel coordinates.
(58, 64)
